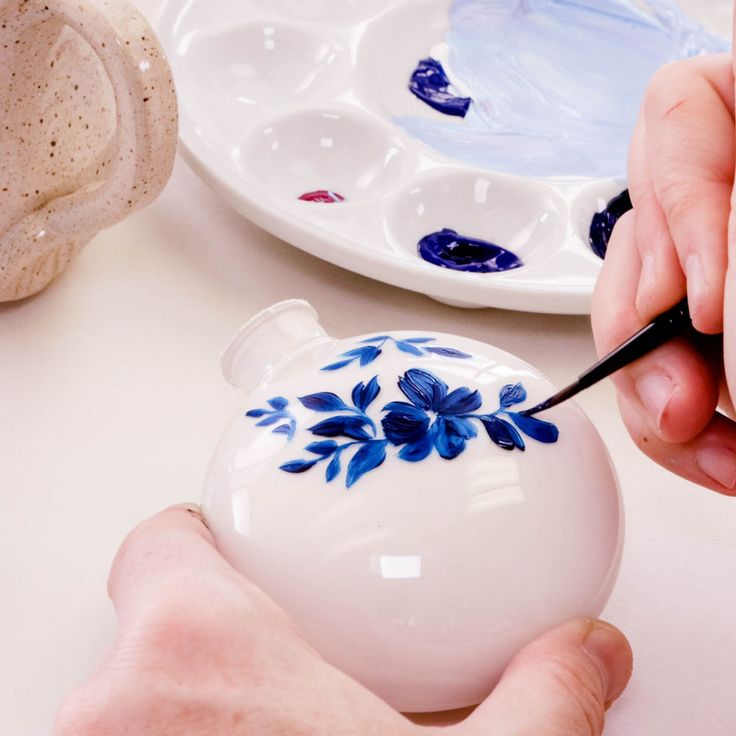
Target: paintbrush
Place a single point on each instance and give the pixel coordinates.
(671, 323)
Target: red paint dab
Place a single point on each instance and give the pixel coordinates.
(323, 196)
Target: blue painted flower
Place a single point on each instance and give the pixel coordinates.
(433, 416)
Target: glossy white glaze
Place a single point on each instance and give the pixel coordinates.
(424, 578)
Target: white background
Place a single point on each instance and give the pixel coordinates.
(111, 401)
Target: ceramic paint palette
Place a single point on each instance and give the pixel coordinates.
(301, 115)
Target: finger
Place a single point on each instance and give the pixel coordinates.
(662, 281)
(559, 685)
(674, 388)
(690, 147)
(158, 555)
(708, 460)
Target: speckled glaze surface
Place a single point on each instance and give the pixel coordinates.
(89, 129)
(387, 491)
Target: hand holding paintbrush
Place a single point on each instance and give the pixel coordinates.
(673, 243)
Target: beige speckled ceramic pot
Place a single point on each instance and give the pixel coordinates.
(88, 130)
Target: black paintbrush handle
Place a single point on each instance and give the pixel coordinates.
(658, 331)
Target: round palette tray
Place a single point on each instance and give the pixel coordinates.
(283, 97)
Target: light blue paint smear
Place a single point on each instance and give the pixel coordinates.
(556, 84)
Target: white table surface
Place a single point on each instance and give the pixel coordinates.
(111, 401)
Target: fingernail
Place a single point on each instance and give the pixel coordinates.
(194, 510)
(610, 652)
(655, 390)
(696, 286)
(719, 464)
(647, 283)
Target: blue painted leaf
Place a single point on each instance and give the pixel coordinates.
(448, 352)
(369, 457)
(420, 340)
(257, 413)
(370, 392)
(378, 338)
(283, 429)
(357, 352)
(333, 468)
(325, 448)
(510, 394)
(535, 428)
(369, 355)
(406, 347)
(278, 403)
(352, 427)
(298, 466)
(363, 395)
(461, 401)
(502, 433)
(269, 420)
(324, 401)
(337, 366)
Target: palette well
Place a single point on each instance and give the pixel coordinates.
(297, 112)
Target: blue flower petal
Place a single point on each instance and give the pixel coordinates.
(448, 441)
(324, 401)
(352, 427)
(257, 413)
(417, 451)
(404, 423)
(369, 457)
(462, 427)
(448, 352)
(461, 401)
(423, 388)
(502, 433)
(298, 466)
(282, 429)
(535, 428)
(512, 394)
(278, 403)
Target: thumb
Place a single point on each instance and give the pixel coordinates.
(166, 555)
(559, 685)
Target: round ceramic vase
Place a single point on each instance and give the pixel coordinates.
(387, 491)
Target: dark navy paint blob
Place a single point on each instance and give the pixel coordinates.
(602, 224)
(322, 196)
(430, 83)
(448, 249)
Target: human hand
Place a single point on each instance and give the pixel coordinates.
(202, 652)
(676, 241)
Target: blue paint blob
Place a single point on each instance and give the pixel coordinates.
(556, 85)
(430, 83)
(602, 223)
(447, 249)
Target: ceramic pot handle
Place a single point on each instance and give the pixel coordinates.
(142, 154)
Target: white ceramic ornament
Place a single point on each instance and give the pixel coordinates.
(386, 491)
